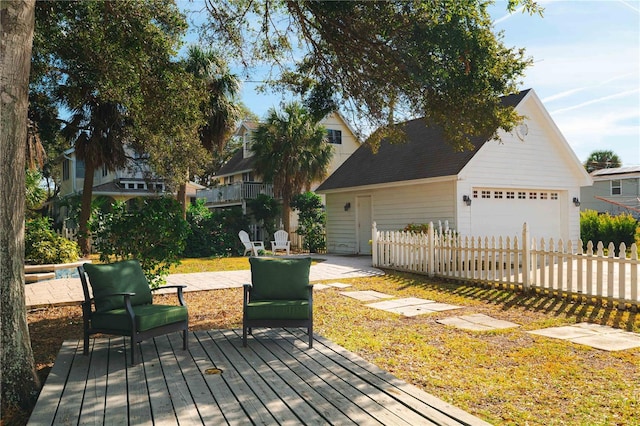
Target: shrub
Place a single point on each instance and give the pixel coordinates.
(265, 210)
(43, 246)
(311, 220)
(417, 228)
(213, 234)
(595, 227)
(152, 231)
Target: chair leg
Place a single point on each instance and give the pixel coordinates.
(85, 350)
(185, 339)
(133, 350)
(310, 331)
(244, 336)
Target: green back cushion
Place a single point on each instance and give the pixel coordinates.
(279, 279)
(119, 277)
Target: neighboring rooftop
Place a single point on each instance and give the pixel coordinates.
(616, 171)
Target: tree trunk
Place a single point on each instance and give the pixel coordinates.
(19, 379)
(183, 199)
(85, 207)
(286, 212)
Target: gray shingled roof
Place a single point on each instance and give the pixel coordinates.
(236, 164)
(426, 154)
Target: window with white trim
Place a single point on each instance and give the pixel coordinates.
(511, 195)
(522, 195)
(616, 187)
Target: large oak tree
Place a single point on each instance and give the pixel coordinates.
(384, 60)
(19, 380)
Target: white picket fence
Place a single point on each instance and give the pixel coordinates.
(552, 266)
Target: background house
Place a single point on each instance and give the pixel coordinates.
(237, 182)
(529, 176)
(133, 181)
(614, 191)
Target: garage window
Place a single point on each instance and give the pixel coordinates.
(533, 195)
(497, 194)
(522, 195)
(511, 195)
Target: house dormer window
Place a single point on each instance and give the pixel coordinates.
(334, 136)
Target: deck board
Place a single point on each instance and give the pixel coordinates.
(277, 379)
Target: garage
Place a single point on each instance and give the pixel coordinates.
(502, 212)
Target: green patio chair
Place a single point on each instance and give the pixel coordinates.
(122, 304)
(279, 295)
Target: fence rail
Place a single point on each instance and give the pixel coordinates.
(558, 267)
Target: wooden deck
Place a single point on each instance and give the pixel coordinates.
(275, 380)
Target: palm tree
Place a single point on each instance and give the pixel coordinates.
(220, 109)
(291, 151)
(603, 159)
(97, 130)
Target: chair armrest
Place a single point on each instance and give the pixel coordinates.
(179, 288)
(169, 286)
(247, 291)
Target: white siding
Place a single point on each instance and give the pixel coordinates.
(541, 162)
(393, 209)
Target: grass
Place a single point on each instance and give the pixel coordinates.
(506, 377)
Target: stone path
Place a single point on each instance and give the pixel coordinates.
(593, 335)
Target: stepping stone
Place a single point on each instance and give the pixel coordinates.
(367, 295)
(330, 285)
(412, 306)
(320, 287)
(597, 336)
(477, 322)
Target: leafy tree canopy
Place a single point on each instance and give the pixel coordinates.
(114, 62)
(384, 59)
(603, 159)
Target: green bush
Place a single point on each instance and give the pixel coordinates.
(311, 220)
(595, 227)
(213, 233)
(417, 228)
(151, 230)
(43, 246)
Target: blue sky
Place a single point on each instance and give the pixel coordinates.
(586, 70)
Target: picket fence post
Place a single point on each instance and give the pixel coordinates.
(431, 248)
(374, 244)
(526, 257)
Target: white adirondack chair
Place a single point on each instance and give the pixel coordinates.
(281, 242)
(250, 246)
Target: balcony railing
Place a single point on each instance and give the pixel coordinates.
(234, 193)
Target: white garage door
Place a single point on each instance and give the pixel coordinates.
(502, 212)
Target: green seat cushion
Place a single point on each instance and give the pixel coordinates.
(279, 279)
(120, 277)
(146, 316)
(278, 309)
